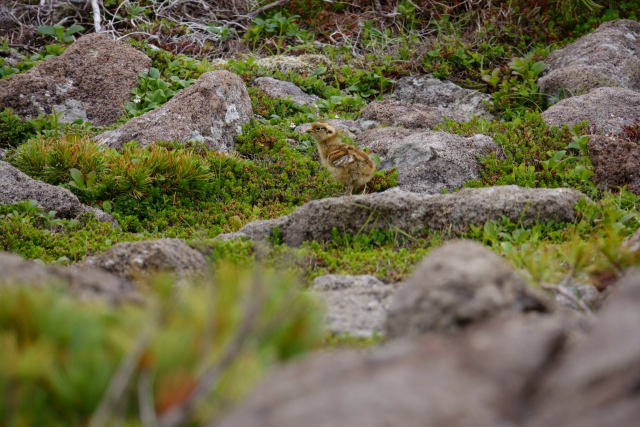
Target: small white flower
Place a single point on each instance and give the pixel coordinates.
(336, 116)
(292, 125)
(137, 99)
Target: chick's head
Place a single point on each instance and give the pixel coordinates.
(321, 131)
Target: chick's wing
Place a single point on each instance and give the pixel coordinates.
(341, 157)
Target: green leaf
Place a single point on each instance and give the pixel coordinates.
(538, 67)
(154, 73)
(76, 175)
(74, 29)
(47, 30)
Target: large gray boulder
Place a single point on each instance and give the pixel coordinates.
(83, 282)
(16, 186)
(607, 109)
(134, 260)
(355, 305)
(414, 212)
(275, 88)
(458, 284)
(595, 382)
(211, 111)
(398, 113)
(515, 370)
(610, 56)
(429, 162)
(472, 379)
(451, 99)
(616, 162)
(91, 80)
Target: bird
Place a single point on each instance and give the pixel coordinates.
(346, 164)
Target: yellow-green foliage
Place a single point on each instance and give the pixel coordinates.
(59, 355)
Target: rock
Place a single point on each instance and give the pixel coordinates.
(381, 140)
(211, 111)
(356, 305)
(349, 128)
(91, 80)
(397, 113)
(414, 212)
(451, 99)
(595, 383)
(577, 296)
(132, 260)
(608, 109)
(84, 282)
(514, 370)
(429, 162)
(274, 88)
(610, 56)
(2, 151)
(459, 283)
(632, 244)
(616, 162)
(16, 186)
(302, 64)
(473, 379)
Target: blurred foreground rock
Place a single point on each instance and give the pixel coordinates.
(356, 305)
(460, 283)
(84, 282)
(132, 260)
(515, 370)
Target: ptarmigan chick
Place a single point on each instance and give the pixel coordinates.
(346, 163)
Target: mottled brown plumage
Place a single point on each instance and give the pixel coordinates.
(346, 163)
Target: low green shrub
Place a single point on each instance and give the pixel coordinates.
(61, 358)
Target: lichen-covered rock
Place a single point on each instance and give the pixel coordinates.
(429, 162)
(459, 283)
(610, 56)
(211, 111)
(84, 282)
(415, 212)
(355, 305)
(616, 162)
(133, 260)
(91, 80)
(275, 88)
(607, 109)
(381, 140)
(473, 379)
(449, 98)
(302, 64)
(397, 113)
(16, 186)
